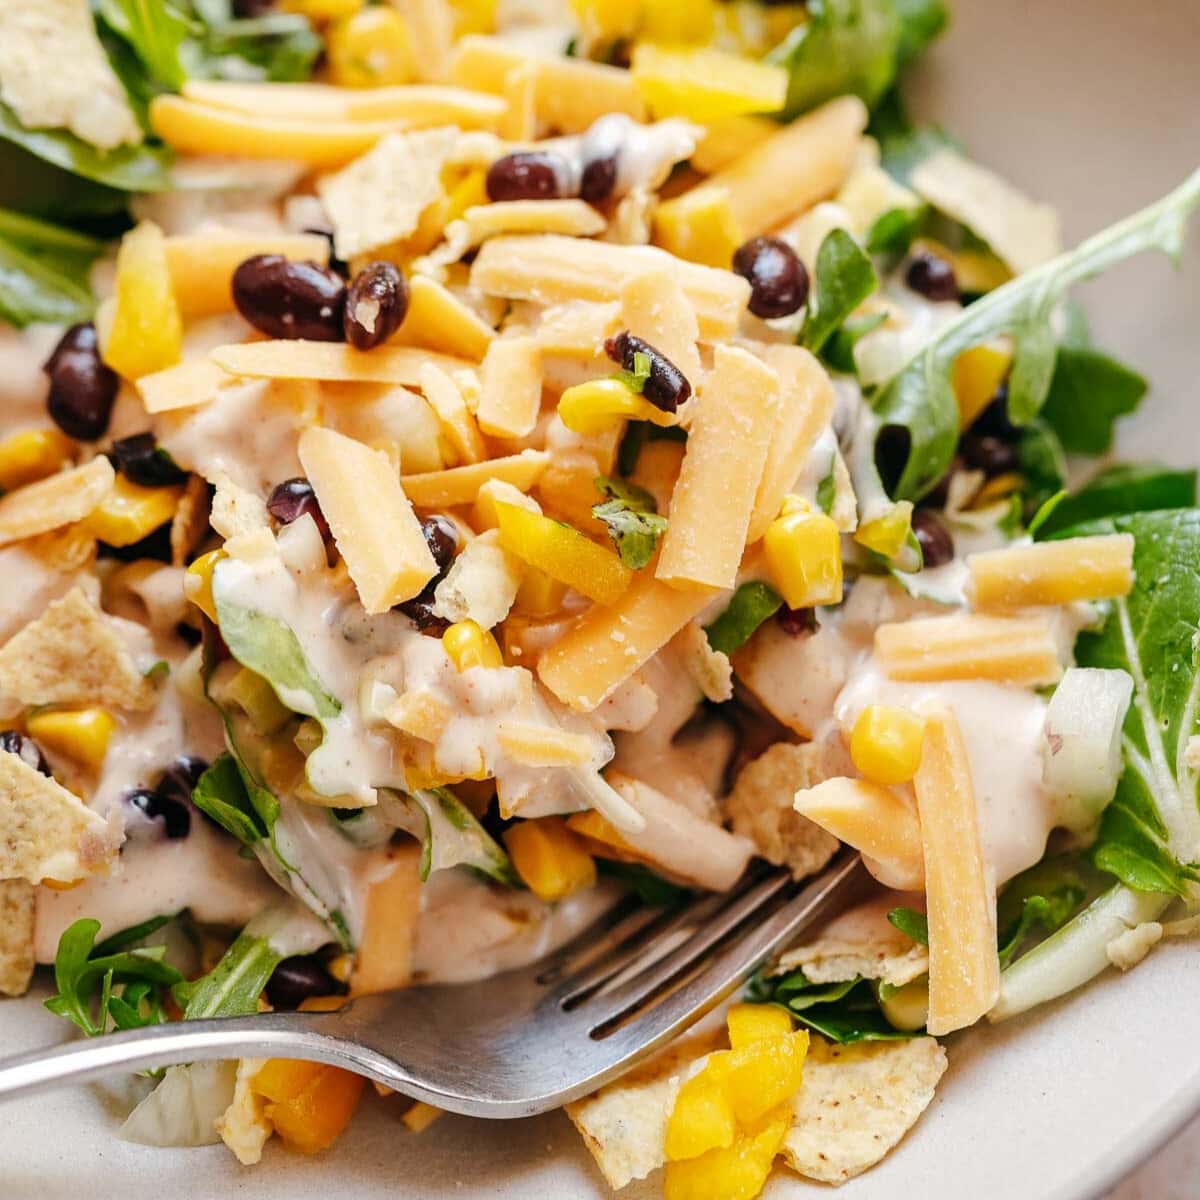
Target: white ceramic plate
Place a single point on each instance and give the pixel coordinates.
(1090, 104)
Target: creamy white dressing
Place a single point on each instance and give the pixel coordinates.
(23, 384)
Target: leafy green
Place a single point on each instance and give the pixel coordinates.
(838, 352)
(1088, 392)
(650, 888)
(1045, 897)
(116, 980)
(634, 526)
(894, 231)
(1150, 833)
(844, 279)
(154, 30)
(233, 986)
(922, 22)
(919, 402)
(909, 921)
(843, 1012)
(903, 146)
(1043, 464)
(275, 48)
(1127, 488)
(221, 794)
(751, 605)
(44, 271)
(451, 836)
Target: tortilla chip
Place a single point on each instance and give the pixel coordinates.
(56, 501)
(235, 511)
(710, 669)
(244, 1126)
(857, 1102)
(72, 655)
(16, 936)
(190, 522)
(47, 832)
(68, 549)
(760, 807)
(624, 1125)
(859, 943)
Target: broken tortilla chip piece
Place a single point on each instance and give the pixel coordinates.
(72, 655)
(190, 522)
(244, 1126)
(857, 1102)
(46, 832)
(16, 936)
(56, 501)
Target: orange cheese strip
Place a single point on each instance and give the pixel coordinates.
(384, 959)
(330, 362)
(1082, 568)
(446, 399)
(654, 307)
(510, 396)
(438, 319)
(606, 645)
(727, 446)
(804, 162)
(964, 969)
(460, 485)
(187, 385)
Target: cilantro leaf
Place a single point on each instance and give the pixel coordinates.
(844, 279)
(751, 605)
(633, 522)
(1088, 392)
(1123, 489)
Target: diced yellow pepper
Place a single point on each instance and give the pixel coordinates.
(763, 1073)
(678, 21)
(372, 48)
(601, 404)
(702, 1119)
(322, 10)
(887, 535)
(474, 16)
(735, 1172)
(978, 372)
(699, 226)
(885, 744)
(609, 18)
(598, 830)
(464, 193)
(751, 1022)
(803, 551)
(131, 512)
(704, 84)
(309, 1103)
(420, 1116)
(549, 858)
(563, 553)
(257, 699)
(147, 331)
(470, 646)
(31, 455)
(539, 594)
(197, 583)
(82, 734)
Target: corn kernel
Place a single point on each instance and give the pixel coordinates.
(469, 646)
(323, 10)
(146, 334)
(704, 84)
(563, 553)
(750, 1022)
(131, 512)
(82, 735)
(735, 1172)
(600, 405)
(539, 594)
(31, 455)
(549, 858)
(803, 551)
(887, 535)
(885, 744)
(702, 1118)
(678, 21)
(197, 583)
(57, 885)
(372, 48)
(699, 226)
(978, 372)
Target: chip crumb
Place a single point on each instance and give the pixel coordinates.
(72, 654)
(1128, 949)
(244, 1126)
(56, 501)
(760, 807)
(190, 523)
(16, 936)
(481, 584)
(710, 669)
(235, 511)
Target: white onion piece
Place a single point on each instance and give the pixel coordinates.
(1081, 742)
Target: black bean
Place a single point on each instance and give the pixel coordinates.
(937, 546)
(994, 422)
(666, 388)
(376, 305)
(176, 818)
(291, 499)
(188, 634)
(252, 8)
(599, 179)
(285, 299)
(179, 779)
(778, 279)
(796, 622)
(991, 455)
(931, 277)
(335, 264)
(140, 459)
(156, 545)
(419, 610)
(82, 389)
(528, 175)
(26, 749)
(298, 979)
(441, 536)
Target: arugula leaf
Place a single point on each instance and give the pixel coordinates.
(274, 48)
(921, 23)
(842, 1012)
(221, 794)
(650, 888)
(844, 279)
(843, 46)
(751, 605)
(894, 231)
(911, 922)
(634, 526)
(918, 405)
(1127, 488)
(233, 986)
(1045, 897)
(154, 30)
(1043, 463)
(450, 835)
(838, 352)
(1088, 392)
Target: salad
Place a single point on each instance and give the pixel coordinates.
(463, 463)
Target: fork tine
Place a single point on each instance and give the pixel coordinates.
(619, 925)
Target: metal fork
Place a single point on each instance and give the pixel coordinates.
(514, 1045)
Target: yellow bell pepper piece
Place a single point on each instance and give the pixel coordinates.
(704, 84)
(679, 21)
(563, 553)
(736, 1172)
(539, 594)
(978, 372)
(474, 16)
(308, 1103)
(803, 552)
(764, 1073)
(147, 331)
(596, 407)
(702, 1118)
(699, 226)
(609, 19)
(470, 646)
(372, 48)
(131, 512)
(82, 734)
(885, 744)
(750, 1022)
(549, 858)
(322, 10)
(31, 455)
(197, 583)
(887, 535)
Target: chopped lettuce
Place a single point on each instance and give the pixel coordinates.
(844, 279)
(1127, 488)
(845, 1012)
(1088, 392)
(751, 605)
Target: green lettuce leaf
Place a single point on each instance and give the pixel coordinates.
(909, 921)
(1088, 392)
(1128, 488)
(842, 1012)
(154, 30)
(844, 279)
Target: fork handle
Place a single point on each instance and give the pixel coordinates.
(290, 1035)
